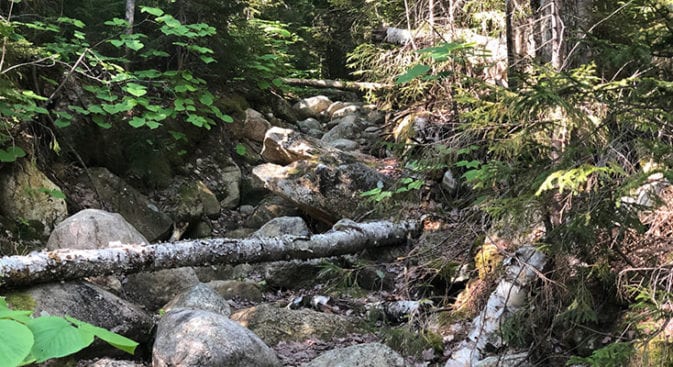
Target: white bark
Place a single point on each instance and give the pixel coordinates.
(65, 264)
(337, 84)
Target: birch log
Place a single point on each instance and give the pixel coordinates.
(65, 264)
(337, 84)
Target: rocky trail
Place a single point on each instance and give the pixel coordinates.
(275, 182)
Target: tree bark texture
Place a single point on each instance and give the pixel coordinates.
(326, 83)
(64, 264)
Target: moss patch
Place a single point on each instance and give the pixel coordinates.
(20, 301)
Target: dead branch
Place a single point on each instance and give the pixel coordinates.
(66, 264)
(345, 85)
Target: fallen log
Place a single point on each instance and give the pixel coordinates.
(346, 237)
(337, 84)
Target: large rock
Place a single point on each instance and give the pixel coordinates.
(135, 207)
(293, 274)
(349, 127)
(188, 338)
(274, 324)
(370, 355)
(271, 207)
(255, 125)
(154, 289)
(86, 302)
(277, 227)
(27, 194)
(200, 297)
(237, 290)
(312, 106)
(91, 229)
(187, 200)
(324, 192)
(285, 146)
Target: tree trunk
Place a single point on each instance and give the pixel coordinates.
(130, 15)
(64, 264)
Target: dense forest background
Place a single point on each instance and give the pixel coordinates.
(555, 116)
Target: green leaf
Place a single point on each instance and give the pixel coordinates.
(11, 154)
(134, 44)
(117, 43)
(94, 108)
(197, 120)
(16, 315)
(114, 339)
(206, 98)
(177, 135)
(148, 74)
(241, 149)
(56, 337)
(413, 73)
(207, 59)
(468, 164)
(101, 122)
(136, 90)
(16, 341)
(117, 22)
(137, 122)
(228, 119)
(152, 11)
(79, 110)
(33, 95)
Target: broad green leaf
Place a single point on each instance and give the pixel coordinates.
(16, 341)
(228, 119)
(153, 124)
(155, 53)
(206, 98)
(148, 74)
(76, 22)
(11, 154)
(109, 108)
(106, 96)
(61, 122)
(3, 304)
(101, 122)
(79, 110)
(134, 45)
(56, 337)
(18, 315)
(277, 82)
(137, 122)
(413, 73)
(136, 90)
(117, 43)
(181, 88)
(468, 164)
(95, 108)
(117, 22)
(207, 59)
(152, 11)
(240, 149)
(196, 120)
